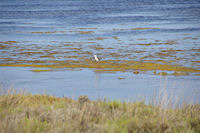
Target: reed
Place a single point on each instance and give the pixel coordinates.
(21, 112)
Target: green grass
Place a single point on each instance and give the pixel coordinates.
(26, 113)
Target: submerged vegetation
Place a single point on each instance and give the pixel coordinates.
(106, 66)
(160, 57)
(22, 113)
(41, 70)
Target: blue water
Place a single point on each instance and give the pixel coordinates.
(170, 16)
(178, 21)
(102, 85)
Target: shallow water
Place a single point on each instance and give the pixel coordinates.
(116, 86)
(160, 30)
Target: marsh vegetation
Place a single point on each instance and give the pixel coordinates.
(80, 55)
(144, 46)
(23, 112)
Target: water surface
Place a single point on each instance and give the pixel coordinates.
(160, 31)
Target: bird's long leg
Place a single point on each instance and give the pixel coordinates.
(97, 65)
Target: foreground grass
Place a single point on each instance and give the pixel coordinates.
(26, 113)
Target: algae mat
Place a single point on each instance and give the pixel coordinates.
(80, 55)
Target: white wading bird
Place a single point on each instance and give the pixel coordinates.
(96, 58)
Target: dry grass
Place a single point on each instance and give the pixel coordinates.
(26, 113)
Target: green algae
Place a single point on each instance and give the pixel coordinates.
(75, 55)
(115, 37)
(42, 70)
(108, 65)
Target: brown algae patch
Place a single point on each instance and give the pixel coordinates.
(96, 47)
(2, 46)
(8, 42)
(120, 78)
(156, 43)
(139, 28)
(162, 73)
(44, 32)
(145, 28)
(142, 39)
(86, 32)
(47, 32)
(48, 56)
(87, 28)
(180, 73)
(98, 38)
(136, 72)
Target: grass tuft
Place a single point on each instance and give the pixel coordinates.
(22, 113)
